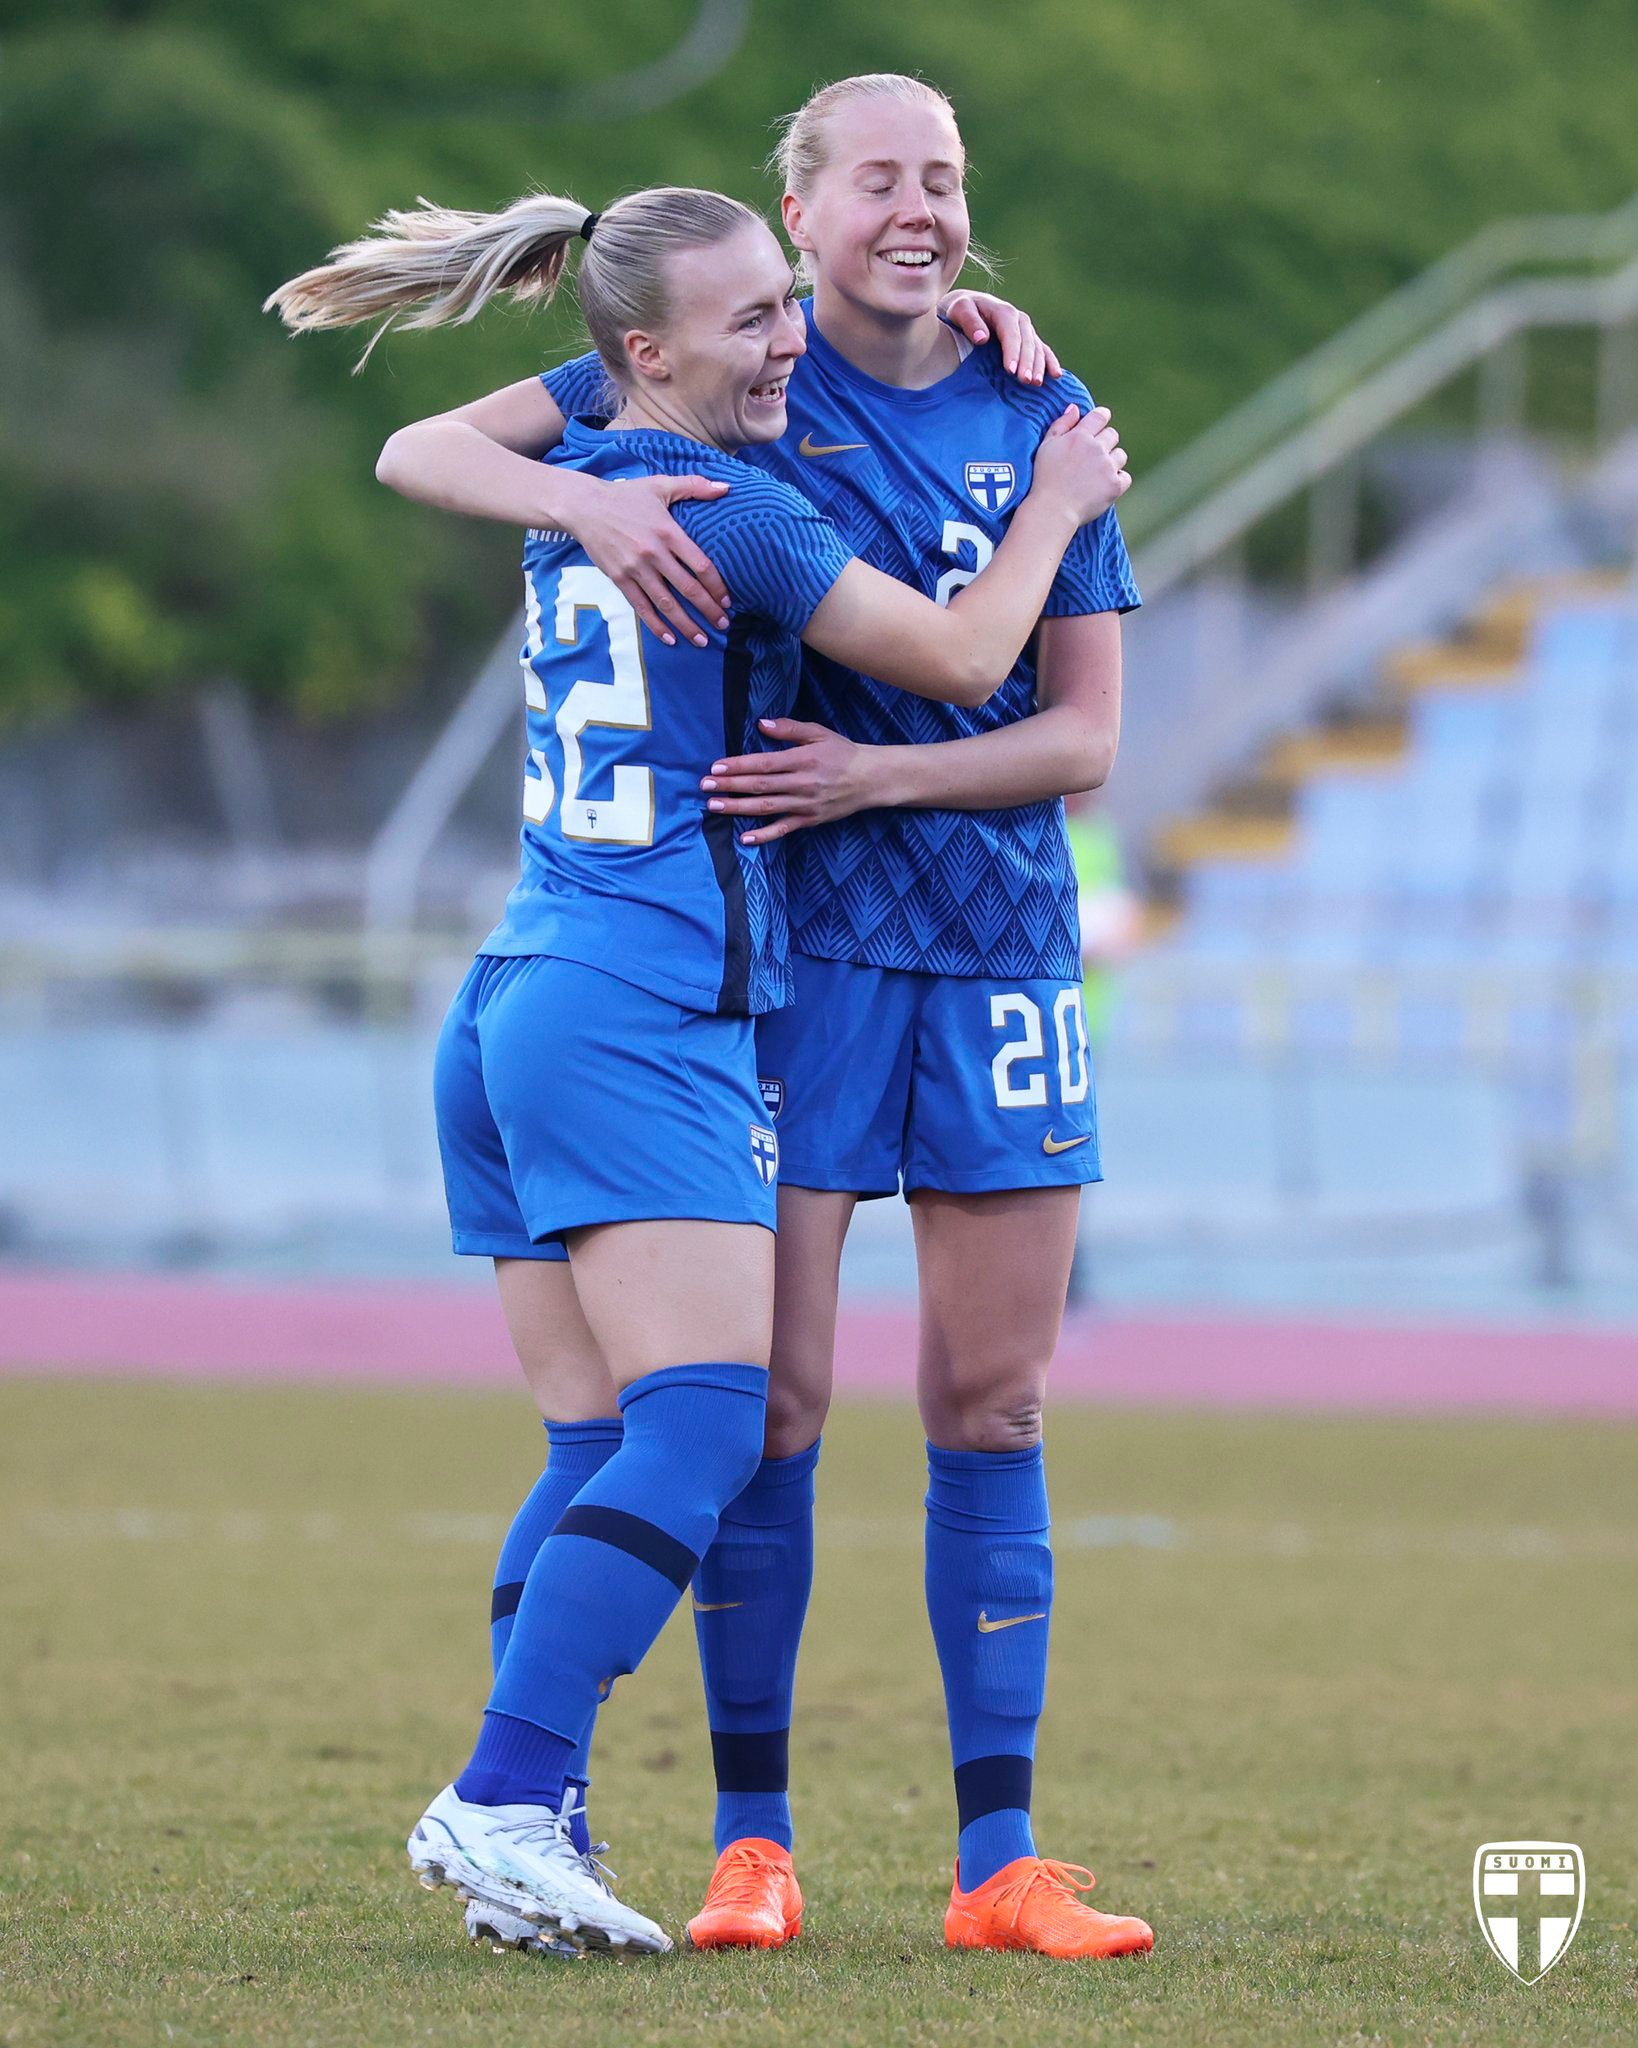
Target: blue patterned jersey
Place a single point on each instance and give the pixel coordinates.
(921, 484)
(623, 866)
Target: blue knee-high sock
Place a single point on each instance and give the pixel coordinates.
(578, 1449)
(604, 1581)
(989, 1599)
(750, 1600)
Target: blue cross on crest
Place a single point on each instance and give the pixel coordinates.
(764, 1153)
(991, 484)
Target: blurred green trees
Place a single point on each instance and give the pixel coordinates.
(1188, 195)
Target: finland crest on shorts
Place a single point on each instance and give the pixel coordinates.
(764, 1153)
(991, 484)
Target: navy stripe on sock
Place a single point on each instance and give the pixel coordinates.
(752, 1763)
(642, 1540)
(991, 1784)
(504, 1600)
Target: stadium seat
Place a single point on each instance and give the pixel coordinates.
(1505, 846)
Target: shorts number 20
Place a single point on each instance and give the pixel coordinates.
(1074, 1066)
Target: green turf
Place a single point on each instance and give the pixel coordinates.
(243, 1637)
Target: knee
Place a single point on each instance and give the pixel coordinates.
(799, 1385)
(1001, 1418)
(796, 1415)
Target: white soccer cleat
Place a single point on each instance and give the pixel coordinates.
(522, 1859)
(501, 1929)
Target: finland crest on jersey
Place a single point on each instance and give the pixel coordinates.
(991, 484)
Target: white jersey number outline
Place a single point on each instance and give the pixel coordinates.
(626, 817)
(958, 534)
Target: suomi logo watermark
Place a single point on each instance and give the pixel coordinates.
(1528, 1896)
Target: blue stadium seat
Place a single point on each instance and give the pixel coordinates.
(1583, 633)
(1240, 892)
(1463, 726)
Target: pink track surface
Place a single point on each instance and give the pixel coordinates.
(425, 1334)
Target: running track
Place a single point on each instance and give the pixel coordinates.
(421, 1334)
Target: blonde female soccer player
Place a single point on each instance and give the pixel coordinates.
(596, 1077)
(937, 1040)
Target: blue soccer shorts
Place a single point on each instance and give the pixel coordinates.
(568, 1097)
(876, 1077)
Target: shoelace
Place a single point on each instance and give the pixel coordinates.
(550, 1827)
(738, 1881)
(1063, 1879)
(554, 1827)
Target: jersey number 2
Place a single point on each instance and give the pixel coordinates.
(625, 817)
(1074, 1068)
(958, 534)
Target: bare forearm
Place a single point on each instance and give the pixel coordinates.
(1001, 607)
(457, 468)
(1054, 753)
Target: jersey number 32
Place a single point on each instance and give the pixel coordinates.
(626, 816)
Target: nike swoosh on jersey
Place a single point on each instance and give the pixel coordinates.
(1051, 1144)
(715, 1606)
(986, 1627)
(808, 446)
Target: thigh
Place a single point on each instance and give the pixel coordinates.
(993, 1272)
(1001, 1091)
(807, 1265)
(835, 1075)
(561, 1359)
(675, 1292)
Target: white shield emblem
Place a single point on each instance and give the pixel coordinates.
(773, 1095)
(764, 1153)
(991, 484)
(1528, 1896)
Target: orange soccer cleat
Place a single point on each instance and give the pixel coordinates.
(1031, 1904)
(752, 1901)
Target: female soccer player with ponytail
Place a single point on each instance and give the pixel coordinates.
(937, 1039)
(596, 1077)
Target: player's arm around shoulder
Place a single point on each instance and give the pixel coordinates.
(961, 652)
(463, 460)
(484, 459)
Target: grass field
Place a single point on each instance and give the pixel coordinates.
(1303, 1669)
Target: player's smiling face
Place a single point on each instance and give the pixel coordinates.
(885, 223)
(718, 370)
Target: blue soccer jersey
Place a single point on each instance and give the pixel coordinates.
(623, 868)
(921, 484)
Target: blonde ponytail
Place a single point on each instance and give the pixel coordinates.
(444, 264)
(449, 265)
